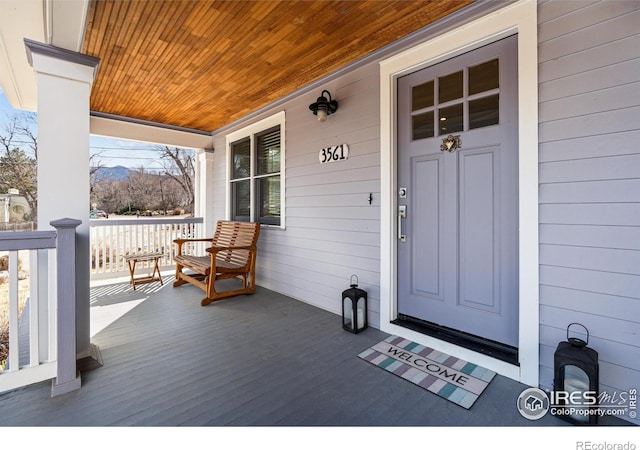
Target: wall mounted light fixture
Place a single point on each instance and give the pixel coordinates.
(323, 107)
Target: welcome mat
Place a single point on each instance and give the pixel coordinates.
(458, 381)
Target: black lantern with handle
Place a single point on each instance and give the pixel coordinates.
(576, 380)
(354, 308)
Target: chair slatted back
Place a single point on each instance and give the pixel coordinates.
(235, 234)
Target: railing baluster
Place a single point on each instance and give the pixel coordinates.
(14, 349)
(34, 310)
(135, 239)
(53, 302)
(100, 260)
(105, 252)
(131, 239)
(117, 242)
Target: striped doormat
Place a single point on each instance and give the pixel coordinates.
(456, 380)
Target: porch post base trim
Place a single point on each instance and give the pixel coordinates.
(91, 362)
(63, 388)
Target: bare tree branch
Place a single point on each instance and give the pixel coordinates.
(18, 169)
(179, 166)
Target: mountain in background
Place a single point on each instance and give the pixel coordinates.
(117, 173)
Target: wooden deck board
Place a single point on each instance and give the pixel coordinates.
(259, 360)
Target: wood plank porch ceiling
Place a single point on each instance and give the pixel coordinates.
(202, 64)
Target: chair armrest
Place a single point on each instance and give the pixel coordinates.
(214, 249)
(181, 242)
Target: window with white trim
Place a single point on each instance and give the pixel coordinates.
(256, 187)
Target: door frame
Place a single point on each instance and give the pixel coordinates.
(517, 18)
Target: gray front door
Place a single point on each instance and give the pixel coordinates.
(458, 197)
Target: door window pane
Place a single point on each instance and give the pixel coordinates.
(422, 96)
(450, 119)
(484, 77)
(484, 112)
(241, 200)
(241, 158)
(450, 87)
(422, 125)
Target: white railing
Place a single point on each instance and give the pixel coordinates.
(112, 239)
(31, 318)
(41, 341)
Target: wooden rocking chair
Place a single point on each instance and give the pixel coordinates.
(232, 255)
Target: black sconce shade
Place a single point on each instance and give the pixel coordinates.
(323, 107)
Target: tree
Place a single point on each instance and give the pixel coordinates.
(18, 154)
(95, 164)
(179, 165)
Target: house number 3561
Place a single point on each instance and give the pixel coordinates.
(332, 154)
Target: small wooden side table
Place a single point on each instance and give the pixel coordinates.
(132, 260)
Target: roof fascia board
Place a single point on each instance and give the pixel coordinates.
(148, 123)
(113, 126)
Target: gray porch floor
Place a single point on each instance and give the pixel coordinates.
(260, 360)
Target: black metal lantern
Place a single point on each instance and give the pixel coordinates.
(323, 107)
(354, 308)
(576, 380)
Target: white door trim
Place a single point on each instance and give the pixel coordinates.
(521, 18)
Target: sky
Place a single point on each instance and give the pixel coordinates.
(109, 152)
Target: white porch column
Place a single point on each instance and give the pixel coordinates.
(203, 194)
(64, 79)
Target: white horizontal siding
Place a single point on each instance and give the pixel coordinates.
(621, 214)
(619, 74)
(590, 59)
(355, 225)
(573, 299)
(610, 191)
(607, 99)
(592, 258)
(607, 283)
(605, 168)
(332, 230)
(588, 29)
(608, 122)
(352, 187)
(317, 243)
(605, 236)
(589, 175)
(611, 144)
(553, 11)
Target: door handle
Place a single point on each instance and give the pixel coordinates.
(402, 214)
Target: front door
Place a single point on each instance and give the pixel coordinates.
(458, 194)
